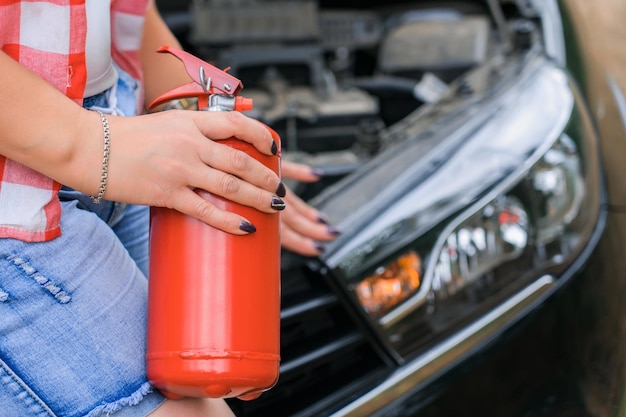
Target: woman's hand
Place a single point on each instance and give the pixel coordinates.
(160, 159)
(157, 159)
(303, 228)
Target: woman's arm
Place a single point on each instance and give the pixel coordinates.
(162, 72)
(44, 130)
(154, 160)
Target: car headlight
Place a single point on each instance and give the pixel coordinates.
(516, 200)
(487, 242)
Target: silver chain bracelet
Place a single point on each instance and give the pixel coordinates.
(105, 159)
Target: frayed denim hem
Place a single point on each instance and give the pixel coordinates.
(106, 410)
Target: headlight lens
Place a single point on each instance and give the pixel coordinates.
(494, 245)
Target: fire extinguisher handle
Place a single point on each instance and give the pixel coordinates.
(206, 79)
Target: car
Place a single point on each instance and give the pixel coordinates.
(471, 154)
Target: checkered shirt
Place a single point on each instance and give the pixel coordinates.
(49, 36)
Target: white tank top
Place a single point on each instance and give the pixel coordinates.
(101, 74)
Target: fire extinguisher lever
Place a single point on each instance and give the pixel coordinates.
(207, 81)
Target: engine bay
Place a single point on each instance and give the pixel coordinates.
(332, 78)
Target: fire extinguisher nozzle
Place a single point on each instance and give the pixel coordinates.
(243, 103)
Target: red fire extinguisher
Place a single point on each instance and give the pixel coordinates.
(213, 297)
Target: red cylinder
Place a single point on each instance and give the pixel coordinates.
(214, 301)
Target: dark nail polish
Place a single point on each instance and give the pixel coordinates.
(319, 247)
(281, 191)
(321, 218)
(333, 231)
(274, 148)
(247, 227)
(277, 203)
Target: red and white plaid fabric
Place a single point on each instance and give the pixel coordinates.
(49, 38)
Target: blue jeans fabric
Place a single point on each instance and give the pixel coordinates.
(73, 310)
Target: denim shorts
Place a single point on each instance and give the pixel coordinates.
(73, 309)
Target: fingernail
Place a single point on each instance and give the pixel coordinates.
(277, 203)
(333, 231)
(274, 148)
(319, 247)
(318, 172)
(281, 191)
(247, 227)
(322, 218)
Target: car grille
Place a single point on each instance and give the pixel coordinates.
(326, 358)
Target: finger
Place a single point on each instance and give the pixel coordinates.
(299, 172)
(240, 164)
(297, 243)
(303, 209)
(307, 227)
(190, 203)
(231, 188)
(224, 125)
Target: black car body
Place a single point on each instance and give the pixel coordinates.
(471, 153)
